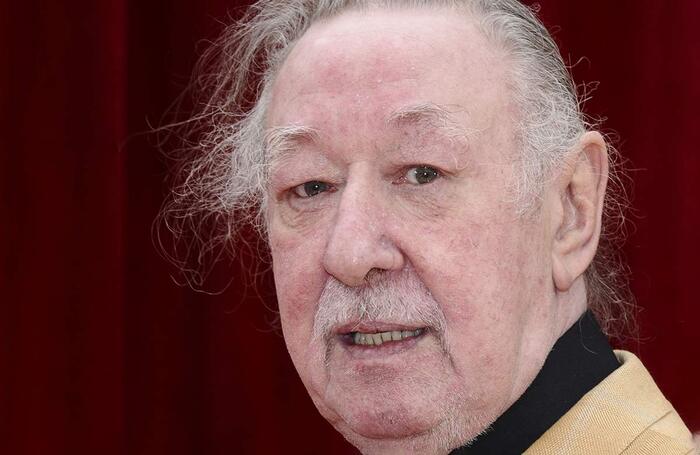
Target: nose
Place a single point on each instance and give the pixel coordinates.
(360, 241)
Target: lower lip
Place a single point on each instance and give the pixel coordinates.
(386, 348)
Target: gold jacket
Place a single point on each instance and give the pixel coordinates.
(625, 414)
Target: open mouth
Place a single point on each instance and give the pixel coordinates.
(380, 338)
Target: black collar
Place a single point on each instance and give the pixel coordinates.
(579, 360)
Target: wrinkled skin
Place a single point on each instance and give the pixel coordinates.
(501, 281)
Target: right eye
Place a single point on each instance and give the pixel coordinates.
(310, 189)
(421, 175)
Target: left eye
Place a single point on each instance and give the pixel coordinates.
(310, 189)
(421, 175)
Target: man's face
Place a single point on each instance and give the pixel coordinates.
(390, 211)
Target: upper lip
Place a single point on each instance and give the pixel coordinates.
(373, 327)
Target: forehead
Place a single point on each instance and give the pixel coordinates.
(358, 69)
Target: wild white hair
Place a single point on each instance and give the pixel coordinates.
(223, 163)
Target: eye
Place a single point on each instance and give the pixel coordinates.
(310, 189)
(420, 175)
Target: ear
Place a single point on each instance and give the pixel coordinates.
(579, 210)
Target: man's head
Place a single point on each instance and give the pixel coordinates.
(431, 198)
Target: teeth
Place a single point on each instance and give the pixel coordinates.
(377, 339)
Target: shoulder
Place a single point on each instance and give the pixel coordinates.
(625, 414)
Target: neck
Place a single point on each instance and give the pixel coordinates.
(579, 360)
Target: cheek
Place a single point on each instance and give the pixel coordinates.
(491, 268)
(299, 279)
(485, 275)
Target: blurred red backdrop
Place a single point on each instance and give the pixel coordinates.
(101, 352)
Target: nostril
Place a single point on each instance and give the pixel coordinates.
(374, 275)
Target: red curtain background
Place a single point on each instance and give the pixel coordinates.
(101, 352)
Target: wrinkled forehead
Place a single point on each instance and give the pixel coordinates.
(371, 62)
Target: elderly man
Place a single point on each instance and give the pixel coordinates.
(433, 200)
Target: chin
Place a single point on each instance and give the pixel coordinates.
(400, 418)
(378, 418)
(416, 434)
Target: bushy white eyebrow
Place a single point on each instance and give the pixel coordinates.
(281, 140)
(432, 115)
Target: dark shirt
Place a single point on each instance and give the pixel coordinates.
(579, 360)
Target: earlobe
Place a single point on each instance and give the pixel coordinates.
(561, 275)
(581, 186)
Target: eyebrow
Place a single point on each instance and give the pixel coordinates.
(431, 115)
(280, 141)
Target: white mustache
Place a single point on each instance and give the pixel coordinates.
(389, 297)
